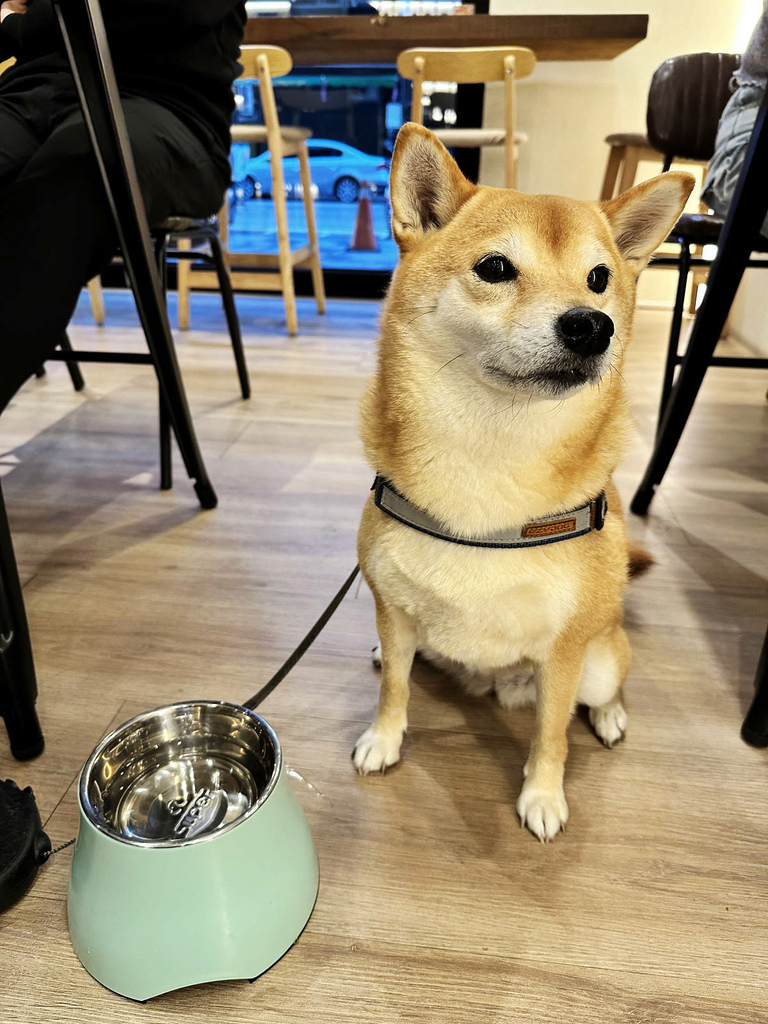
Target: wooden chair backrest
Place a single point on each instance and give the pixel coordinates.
(465, 64)
(266, 63)
(471, 64)
(279, 61)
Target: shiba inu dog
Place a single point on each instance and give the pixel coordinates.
(494, 422)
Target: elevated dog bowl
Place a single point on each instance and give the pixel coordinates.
(194, 861)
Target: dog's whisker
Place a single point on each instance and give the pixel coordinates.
(431, 309)
(447, 363)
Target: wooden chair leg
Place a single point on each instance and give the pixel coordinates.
(96, 296)
(698, 278)
(284, 246)
(616, 158)
(318, 284)
(510, 160)
(629, 170)
(183, 271)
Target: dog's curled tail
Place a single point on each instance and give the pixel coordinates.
(640, 560)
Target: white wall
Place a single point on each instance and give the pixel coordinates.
(568, 108)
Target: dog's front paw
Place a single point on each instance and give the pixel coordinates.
(609, 722)
(544, 812)
(377, 749)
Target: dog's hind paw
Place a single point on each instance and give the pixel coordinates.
(376, 656)
(377, 749)
(544, 813)
(609, 722)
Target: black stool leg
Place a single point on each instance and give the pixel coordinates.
(674, 331)
(747, 211)
(85, 40)
(233, 321)
(75, 374)
(755, 727)
(166, 455)
(18, 685)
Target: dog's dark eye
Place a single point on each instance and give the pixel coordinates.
(597, 279)
(494, 269)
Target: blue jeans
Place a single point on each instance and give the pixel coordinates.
(733, 134)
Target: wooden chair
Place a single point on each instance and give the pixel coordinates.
(468, 65)
(266, 63)
(626, 151)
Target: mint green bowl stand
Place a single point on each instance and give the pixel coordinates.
(145, 921)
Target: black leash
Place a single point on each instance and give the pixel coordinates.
(304, 646)
(46, 855)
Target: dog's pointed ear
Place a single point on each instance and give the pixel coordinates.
(642, 217)
(426, 187)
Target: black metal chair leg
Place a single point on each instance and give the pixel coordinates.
(233, 321)
(674, 331)
(747, 212)
(166, 455)
(755, 727)
(75, 374)
(18, 685)
(83, 32)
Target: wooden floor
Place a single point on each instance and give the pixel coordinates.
(434, 905)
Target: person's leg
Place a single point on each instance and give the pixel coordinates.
(17, 144)
(56, 229)
(30, 107)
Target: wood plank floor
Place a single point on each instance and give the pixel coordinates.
(434, 905)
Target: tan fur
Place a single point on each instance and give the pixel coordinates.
(482, 456)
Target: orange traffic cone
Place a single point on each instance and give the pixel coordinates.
(363, 236)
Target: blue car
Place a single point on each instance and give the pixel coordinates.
(337, 169)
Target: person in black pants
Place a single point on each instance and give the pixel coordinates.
(175, 62)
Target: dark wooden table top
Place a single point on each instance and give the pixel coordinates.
(361, 39)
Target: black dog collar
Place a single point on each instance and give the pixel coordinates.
(548, 530)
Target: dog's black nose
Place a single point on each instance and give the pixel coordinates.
(587, 332)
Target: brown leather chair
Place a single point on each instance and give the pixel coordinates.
(684, 93)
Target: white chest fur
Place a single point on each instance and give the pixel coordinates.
(485, 609)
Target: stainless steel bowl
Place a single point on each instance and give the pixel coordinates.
(180, 774)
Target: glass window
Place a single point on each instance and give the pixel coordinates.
(354, 114)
